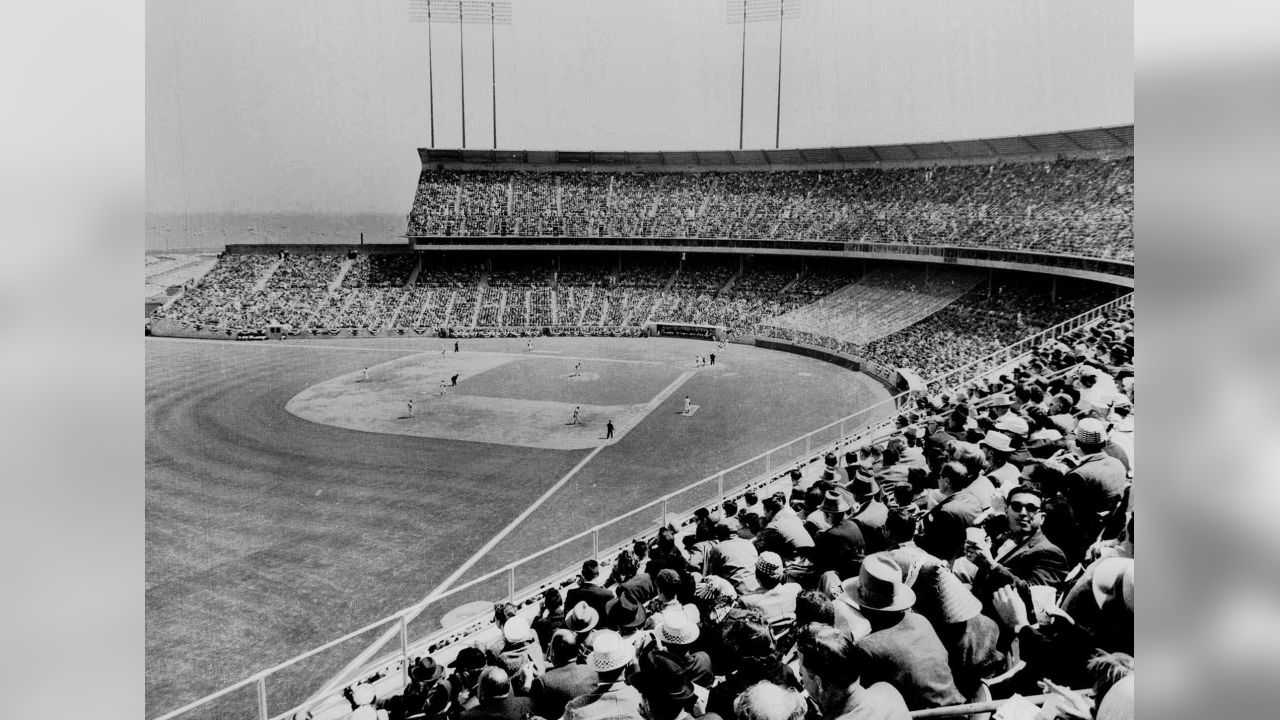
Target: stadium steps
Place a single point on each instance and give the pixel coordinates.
(555, 308)
(266, 276)
(475, 311)
(343, 269)
(787, 288)
(728, 284)
(395, 314)
(413, 276)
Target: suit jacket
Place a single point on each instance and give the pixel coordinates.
(785, 534)
(734, 560)
(911, 657)
(881, 701)
(1035, 562)
(639, 588)
(506, 708)
(840, 548)
(552, 691)
(616, 701)
(942, 528)
(972, 646)
(595, 596)
(1093, 487)
(872, 519)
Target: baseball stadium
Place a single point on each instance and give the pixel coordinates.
(760, 433)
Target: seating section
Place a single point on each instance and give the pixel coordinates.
(879, 304)
(937, 554)
(1075, 207)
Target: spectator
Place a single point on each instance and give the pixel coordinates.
(831, 669)
(902, 649)
(567, 679)
(612, 699)
(766, 701)
(497, 702)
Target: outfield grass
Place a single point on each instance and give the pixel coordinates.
(268, 534)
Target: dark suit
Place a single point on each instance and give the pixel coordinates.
(942, 529)
(1093, 488)
(840, 548)
(505, 708)
(593, 595)
(1035, 562)
(558, 686)
(639, 588)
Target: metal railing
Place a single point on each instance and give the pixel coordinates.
(560, 560)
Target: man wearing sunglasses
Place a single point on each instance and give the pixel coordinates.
(1022, 556)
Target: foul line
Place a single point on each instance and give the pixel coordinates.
(364, 657)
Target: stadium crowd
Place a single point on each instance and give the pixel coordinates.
(983, 549)
(381, 293)
(1073, 206)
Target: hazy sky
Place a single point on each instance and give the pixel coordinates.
(318, 106)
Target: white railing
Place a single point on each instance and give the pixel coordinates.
(855, 429)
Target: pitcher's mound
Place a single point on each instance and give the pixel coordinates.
(581, 377)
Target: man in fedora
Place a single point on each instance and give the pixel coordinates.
(903, 649)
(424, 676)
(1021, 557)
(665, 694)
(870, 512)
(998, 449)
(841, 547)
(611, 699)
(830, 670)
(567, 679)
(497, 702)
(628, 617)
(589, 590)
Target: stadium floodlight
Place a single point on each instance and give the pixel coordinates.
(462, 12)
(749, 11)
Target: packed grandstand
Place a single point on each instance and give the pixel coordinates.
(977, 547)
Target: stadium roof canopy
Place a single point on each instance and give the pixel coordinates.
(1116, 140)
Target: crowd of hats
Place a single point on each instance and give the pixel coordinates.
(1077, 627)
(1080, 207)
(451, 295)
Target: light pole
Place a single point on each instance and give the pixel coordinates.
(748, 11)
(463, 12)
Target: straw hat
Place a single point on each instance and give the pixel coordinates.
(677, 628)
(1012, 424)
(716, 590)
(997, 441)
(1091, 431)
(769, 564)
(1112, 581)
(610, 651)
(956, 604)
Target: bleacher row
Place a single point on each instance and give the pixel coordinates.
(981, 547)
(876, 315)
(1076, 206)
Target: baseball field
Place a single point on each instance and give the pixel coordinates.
(293, 497)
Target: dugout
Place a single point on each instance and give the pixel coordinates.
(276, 331)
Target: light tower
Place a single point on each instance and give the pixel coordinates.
(749, 11)
(462, 12)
